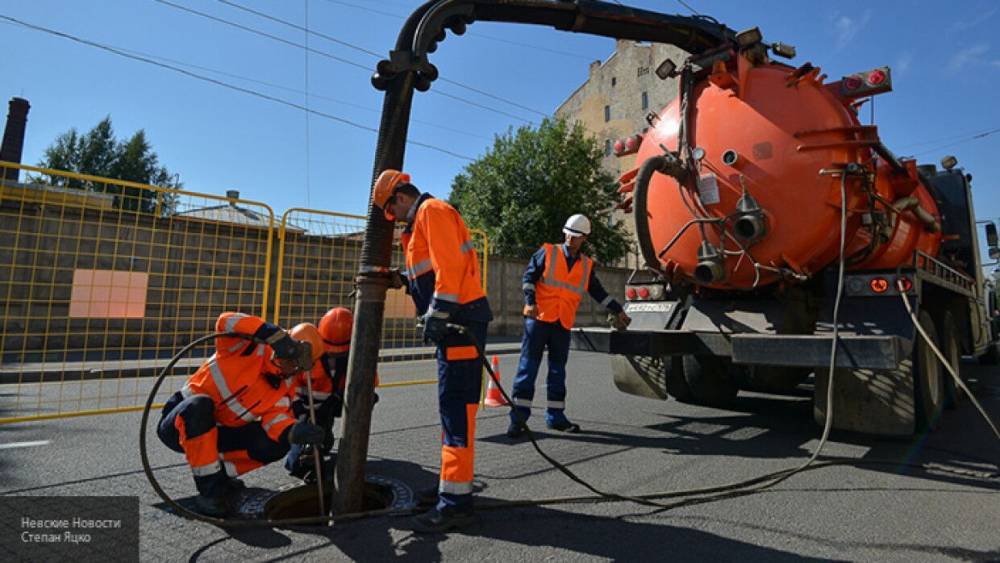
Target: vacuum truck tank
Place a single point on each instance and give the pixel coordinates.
(749, 184)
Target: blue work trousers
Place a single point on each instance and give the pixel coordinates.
(539, 336)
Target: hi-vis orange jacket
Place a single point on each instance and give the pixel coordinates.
(559, 291)
(242, 381)
(441, 262)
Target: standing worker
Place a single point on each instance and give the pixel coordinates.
(554, 282)
(329, 378)
(443, 278)
(234, 414)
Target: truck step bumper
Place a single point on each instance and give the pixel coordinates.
(854, 351)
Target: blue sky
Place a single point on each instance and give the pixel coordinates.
(945, 59)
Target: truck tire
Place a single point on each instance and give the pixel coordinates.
(677, 386)
(928, 385)
(951, 348)
(710, 380)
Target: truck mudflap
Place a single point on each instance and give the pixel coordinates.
(854, 351)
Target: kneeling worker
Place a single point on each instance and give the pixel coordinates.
(329, 379)
(554, 283)
(234, 414)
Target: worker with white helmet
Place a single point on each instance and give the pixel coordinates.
(555, 281)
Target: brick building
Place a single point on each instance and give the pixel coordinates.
(615, 99)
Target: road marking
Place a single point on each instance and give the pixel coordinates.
(13, 445)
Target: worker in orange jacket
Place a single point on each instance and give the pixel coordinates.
(328, 381)
(443, 278)
(554, 283)
(235, 413)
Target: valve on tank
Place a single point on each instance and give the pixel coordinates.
(711, 266)
(750, 224)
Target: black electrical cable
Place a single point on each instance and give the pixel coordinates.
(222, 83)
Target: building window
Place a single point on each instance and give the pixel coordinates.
(607, 147)
(645, 100)
(613, 81)
(607, 114)
(642, 71)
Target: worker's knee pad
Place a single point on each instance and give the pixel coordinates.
(198, 413)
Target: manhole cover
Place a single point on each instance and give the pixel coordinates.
(299, 500)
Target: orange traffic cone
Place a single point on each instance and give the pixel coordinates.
(494, 398)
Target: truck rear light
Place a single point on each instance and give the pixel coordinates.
(628, 145)
(876, 77)
(630, 293)
(879, 285)
(643, 293)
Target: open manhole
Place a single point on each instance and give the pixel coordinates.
(301, 500)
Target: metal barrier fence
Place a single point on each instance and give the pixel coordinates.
(101, 281)
(319, 256)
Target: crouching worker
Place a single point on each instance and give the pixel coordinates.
(329, 379)
(235, 413)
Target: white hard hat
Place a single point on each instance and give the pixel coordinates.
(577, 225)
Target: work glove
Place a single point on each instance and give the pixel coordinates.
(286, 348)
(435, 326)
(304, 432)
(619, 320)
(396, 279)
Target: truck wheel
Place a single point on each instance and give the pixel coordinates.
(951, 348)
(928, 385)
(710, 380)
(677, 385)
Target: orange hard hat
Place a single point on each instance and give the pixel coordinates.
(335, 329)
(385, 188)
(306, 332)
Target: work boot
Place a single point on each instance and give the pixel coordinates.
(515, 429)
(434, 522)
(211, 506)
(561, 423)
(234, 486)
(427, 497)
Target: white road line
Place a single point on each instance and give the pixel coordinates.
(13, 445)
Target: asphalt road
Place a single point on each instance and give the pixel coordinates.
(929, 498)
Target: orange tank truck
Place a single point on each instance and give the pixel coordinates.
(763, 205)
(779, 134)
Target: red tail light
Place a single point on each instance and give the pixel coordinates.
(879, 285)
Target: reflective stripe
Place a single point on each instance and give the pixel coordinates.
(220, 384)
(278, 335)
(237, 346)
(206, 470)
(528, 286)
(282, 402)
(521, 402)
(556, 404)
(230, 468)
(455, 487)
(439, 314)
(419, 269)
(606, 300)
(260, 349)
(587, 265)
(466, 246)
(230, 325)
(275, 420)
(449, 297)
(186, 391)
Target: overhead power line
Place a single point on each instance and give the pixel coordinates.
(375, 54)
(312, 95)
(688, 6)
(221, 83)
(325, 54)
(961, 141)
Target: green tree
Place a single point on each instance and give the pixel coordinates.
(99, 153)
(523, 189)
